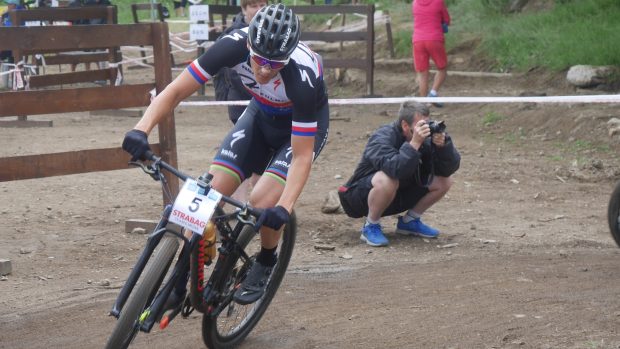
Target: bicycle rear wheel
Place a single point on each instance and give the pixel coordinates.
(228, 328)
(127, 325)
(613, 214)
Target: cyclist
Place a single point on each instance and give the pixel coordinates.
(280, 133)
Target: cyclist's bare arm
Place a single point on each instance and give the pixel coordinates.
(303, 148)
(164, 103)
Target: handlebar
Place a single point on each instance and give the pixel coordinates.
(204, 181)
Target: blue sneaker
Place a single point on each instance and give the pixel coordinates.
(438, 105)
(373, 235)
(416, 227)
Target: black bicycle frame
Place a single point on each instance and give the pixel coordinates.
(181, 267)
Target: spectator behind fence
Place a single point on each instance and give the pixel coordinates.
(7, 55)
(406, 166)
(179, 7)
(430, 21)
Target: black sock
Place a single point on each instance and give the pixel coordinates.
(267, 256)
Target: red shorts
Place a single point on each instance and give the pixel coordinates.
(423, 50)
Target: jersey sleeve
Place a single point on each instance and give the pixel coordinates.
(228, 51)
(306, 91)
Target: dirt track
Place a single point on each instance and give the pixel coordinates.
(532, 264)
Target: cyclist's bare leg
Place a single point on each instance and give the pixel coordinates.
(224, 182)
(242, 192)
(266, 193)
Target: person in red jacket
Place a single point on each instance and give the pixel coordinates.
(430, 21)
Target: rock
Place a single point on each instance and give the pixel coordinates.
(138, 230)
(5, 267)
(589, 76)
(324, 247)
(614, 126)
(331, 203)
(517, 5)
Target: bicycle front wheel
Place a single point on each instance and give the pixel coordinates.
(128, 325)
(613, 214)
(228, 328)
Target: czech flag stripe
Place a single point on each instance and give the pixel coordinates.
(198, 73)
(267, 102)
(304, 128)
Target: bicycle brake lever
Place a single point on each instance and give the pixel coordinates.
(148, 169)
(244, 216)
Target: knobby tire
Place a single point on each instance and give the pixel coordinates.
(613, 214)
(127, 325)
(210, 333)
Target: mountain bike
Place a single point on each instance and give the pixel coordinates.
(613, 214)
(197, 219)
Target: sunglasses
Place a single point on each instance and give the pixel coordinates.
(273, 64)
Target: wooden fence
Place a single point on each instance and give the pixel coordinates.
(367, 36)
(50, 101)
(56, 56)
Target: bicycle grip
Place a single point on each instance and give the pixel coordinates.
(256, 212)
(149, 155)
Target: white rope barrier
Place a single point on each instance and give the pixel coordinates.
(398, 100)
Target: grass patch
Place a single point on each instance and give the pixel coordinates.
(491, 118)
(572, 32)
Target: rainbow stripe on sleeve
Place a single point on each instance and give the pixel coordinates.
(304, 128)
(198, 73)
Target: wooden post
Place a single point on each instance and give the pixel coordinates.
(370, 49)
(163, 77)
(388, 30)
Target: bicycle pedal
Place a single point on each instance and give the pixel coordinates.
(187, 308)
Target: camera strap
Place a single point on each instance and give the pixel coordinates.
(431, 174)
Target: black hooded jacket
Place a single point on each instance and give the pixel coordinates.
(387, 150)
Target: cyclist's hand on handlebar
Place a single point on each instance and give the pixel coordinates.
(273, 217)
(136, 143)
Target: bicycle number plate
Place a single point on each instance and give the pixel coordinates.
(192, 209)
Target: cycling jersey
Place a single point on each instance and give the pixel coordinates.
(295, 94)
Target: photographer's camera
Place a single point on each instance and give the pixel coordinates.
(436, 126)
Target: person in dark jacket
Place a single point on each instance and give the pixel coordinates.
(406, 166)
(227, 83)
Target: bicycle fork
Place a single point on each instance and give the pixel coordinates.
(151, 244)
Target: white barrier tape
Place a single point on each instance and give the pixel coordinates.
(137, 48)
(398, 100)
(134, 61)
(182, 49)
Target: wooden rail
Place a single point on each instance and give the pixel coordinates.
(70, 14)
(86, 99)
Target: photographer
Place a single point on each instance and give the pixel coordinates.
(406, 166)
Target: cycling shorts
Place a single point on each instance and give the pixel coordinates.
(354, 198)
(259, 143)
